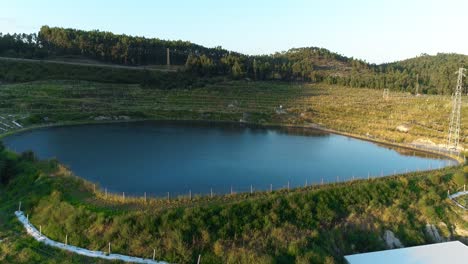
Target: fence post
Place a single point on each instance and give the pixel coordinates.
(199, 257)
(66, 239)
(154, 253)
(40, 230)
(19, 207)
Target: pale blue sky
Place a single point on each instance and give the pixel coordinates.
(373, 30)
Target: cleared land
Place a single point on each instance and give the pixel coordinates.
(358, 111)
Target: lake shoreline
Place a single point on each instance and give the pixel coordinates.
(316, 127)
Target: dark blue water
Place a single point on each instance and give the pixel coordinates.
(161, 157)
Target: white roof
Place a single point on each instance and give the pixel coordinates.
(442, 253)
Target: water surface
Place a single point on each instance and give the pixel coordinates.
(175, 157)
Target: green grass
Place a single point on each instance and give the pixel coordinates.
(306, 225)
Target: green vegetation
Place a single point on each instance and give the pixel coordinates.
(426, 74)
(23, 71)
(306, 225)
(317, 224)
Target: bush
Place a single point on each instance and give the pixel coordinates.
(28, 156)
(459, 178)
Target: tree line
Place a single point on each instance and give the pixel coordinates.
(423, 74)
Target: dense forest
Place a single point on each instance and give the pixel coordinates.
(423, 74)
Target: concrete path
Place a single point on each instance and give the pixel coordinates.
(85, 252)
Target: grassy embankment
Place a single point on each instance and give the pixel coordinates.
(305, 225)
(315, 224)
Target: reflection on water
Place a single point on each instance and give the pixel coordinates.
(178, 157)
(410, 152)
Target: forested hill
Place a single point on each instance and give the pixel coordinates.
(434, 73)
(431, 74)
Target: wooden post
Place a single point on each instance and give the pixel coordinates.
(199, 257)
(19, 207)
(109, 248)
(66, 239)
(40, 230)
(94, 188)
(154, 253)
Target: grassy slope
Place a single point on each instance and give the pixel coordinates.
(305, 225)
(357, 111)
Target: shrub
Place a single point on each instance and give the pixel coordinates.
(459, 178)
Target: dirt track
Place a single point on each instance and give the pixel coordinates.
(138, 68)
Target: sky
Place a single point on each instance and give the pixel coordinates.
(373, 30)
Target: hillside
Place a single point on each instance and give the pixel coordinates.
(431, 74)
(435, 73)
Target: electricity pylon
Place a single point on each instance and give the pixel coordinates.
(455, 121)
